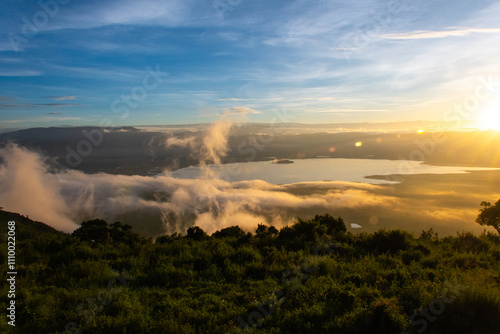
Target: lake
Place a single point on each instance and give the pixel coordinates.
(325, 169)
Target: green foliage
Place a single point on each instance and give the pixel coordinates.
(196, 233)
(333, 225)
(393, 241)
(230, 232)
(97, 231)
(310, 277)
(489, 215)
(475, 310)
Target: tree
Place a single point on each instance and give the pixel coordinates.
(333, 225)
(196, 233)
(230, 232)
(265, 231)
(98, 231)
(489, 215)
(95, 230)
(120, 232)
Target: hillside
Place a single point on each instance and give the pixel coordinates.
(312, 277)
(26, 228)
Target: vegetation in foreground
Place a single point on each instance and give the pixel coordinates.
(312, 277)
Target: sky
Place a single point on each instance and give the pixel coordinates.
(159, 62)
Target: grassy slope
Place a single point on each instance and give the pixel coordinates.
(367, 283)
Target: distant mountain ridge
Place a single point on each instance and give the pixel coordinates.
(135, 151)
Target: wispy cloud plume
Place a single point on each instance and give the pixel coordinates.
(19, 73)
(426, 34)
(240, 110)
(163, 204)
(28, 188)
(32, 105)
(234, 99)
(61, 98)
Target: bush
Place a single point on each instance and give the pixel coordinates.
(393, 241)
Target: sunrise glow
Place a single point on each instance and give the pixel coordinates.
(490, 116)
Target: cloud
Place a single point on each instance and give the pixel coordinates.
(20, 73)
(215, 141)
(27, 188)
(426, 34)
(32, 105)
(275, 99)
(170, 13)
(240, 110)
(181, 142)
(209, 203)
(234, 99)
(56, 104)
(163, 204)
(208, 146)
(40, 119)
(61, 98)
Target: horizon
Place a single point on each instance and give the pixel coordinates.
(404, 126)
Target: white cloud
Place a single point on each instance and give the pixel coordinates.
(63, 98)
(65, 199)
(19, 73)
(425, 34)
(240, 110)
(235, 99)
(168, 13)
(41, 119)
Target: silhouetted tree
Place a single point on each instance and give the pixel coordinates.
(95, 230)
(164, 239)
(333, 225)
(233, 231)
(120, 232)
(489, 215)
(264, 231)
(98, 231)
(196, 233)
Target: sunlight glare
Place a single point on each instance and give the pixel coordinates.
(489, 118)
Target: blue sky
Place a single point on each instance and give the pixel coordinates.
(321, 61)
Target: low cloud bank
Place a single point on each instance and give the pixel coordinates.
(65, 199)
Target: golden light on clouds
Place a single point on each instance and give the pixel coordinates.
(490, 116)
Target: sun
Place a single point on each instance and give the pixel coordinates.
(489, 117)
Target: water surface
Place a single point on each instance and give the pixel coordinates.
(312, 170)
